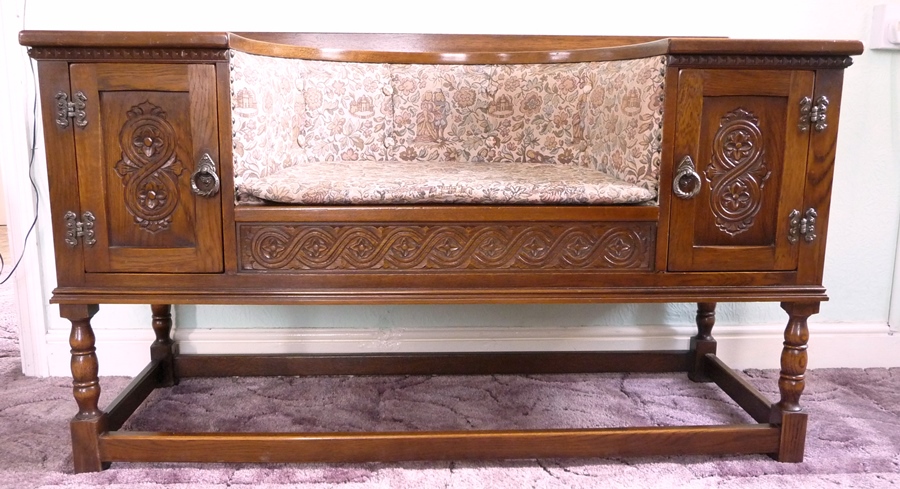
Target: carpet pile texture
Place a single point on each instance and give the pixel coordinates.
(853, 440)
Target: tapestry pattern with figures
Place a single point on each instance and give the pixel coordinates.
(268, 113)
(604, 116)
(348, 111)
(623, 118)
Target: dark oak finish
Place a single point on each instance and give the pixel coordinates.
(162, 351)
(60, 147)
(153, 124)
(738, 388)
(819, 175)
(391, 447)
(431, 363)
(89, 422)
(127, 402)
(703, 343)
(724, 226)
(156, 103)
(794, 356)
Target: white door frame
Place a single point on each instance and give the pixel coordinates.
(894, 312)
(17, 88)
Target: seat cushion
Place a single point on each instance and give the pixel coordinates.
(447, 182)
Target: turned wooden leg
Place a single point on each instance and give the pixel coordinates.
(787, 412)
(161, 349)
(704, 342)
(90, 421)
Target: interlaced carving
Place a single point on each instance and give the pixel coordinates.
(737, 173)
(494, 247)
(149, 167)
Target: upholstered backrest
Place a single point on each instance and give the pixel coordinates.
(603, 115)
(348, 111)
(440, 112)
(623, 118)
(268, 113)
(489, 113)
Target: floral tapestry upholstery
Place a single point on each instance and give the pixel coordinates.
(623, 118)
(489, 113)
(605, 117)
(268, 112)
(536, 113)
(348, 111)
(405, 182)
(440, 113)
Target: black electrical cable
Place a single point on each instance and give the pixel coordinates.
(30, 177)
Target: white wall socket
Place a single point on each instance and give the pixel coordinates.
(885, 27)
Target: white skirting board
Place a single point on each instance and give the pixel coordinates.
(126, 352)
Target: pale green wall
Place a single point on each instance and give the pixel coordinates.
(865, 207)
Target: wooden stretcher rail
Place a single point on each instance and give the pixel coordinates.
(486, 363)
(393, 447)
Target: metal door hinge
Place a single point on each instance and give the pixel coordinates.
(813, 114)
(80, 229)
(66, 110)
(802, 226)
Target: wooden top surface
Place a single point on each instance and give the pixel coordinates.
(440, 48)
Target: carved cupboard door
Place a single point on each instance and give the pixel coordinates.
(740, 159)
(149, 127)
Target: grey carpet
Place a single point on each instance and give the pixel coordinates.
(854, 433)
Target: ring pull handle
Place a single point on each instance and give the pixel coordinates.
(205, 180)
(686, 183)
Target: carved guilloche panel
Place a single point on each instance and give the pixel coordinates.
(741, 161)
(149, 167)
(147, 145)
(738, 173)
(557, 246)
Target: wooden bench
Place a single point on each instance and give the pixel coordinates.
(267, 168)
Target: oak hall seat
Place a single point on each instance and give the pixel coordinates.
(273, 169)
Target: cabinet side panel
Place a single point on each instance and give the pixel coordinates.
(61, 170)
(667, 164)
(819, 175)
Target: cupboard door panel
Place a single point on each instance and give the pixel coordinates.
(148, 127)
(741, 130)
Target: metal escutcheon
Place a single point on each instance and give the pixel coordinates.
(686, 183)
(205, 180)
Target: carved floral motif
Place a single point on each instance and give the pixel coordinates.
(737, 173)
(149, 167)
(447, 247)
